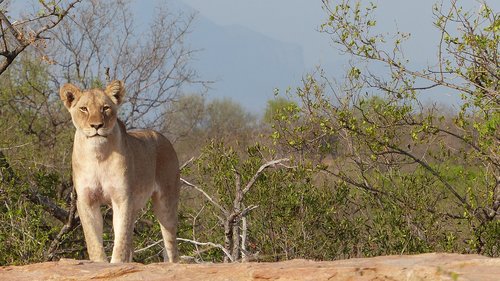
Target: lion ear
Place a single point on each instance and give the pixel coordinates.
(69, 93)
(115, 91)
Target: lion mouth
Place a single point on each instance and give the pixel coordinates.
(96, 135)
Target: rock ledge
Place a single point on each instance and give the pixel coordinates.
(417, 267)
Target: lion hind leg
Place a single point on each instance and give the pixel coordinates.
(166, 213)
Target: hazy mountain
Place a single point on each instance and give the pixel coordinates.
(245, 65)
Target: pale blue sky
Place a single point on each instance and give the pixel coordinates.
(296, 21)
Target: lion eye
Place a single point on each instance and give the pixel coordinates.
(83, 109)
(106, 108)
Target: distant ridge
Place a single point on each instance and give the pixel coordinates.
(245, 65)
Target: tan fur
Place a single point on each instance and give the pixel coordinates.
(124, 169)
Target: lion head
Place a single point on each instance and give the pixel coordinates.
(94, 111)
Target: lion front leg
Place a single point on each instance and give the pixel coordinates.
(91, 219)
(123, 227)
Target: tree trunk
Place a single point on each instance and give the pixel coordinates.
(228, 237)
(236, 250)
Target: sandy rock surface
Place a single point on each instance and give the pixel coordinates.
(408, 268)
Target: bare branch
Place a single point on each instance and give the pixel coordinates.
(186, 163)
(452, 189)
(48, 204)
(149, 246)
(25, 40)
(12, 30)
(224, 211)
(68, 227)
(100, 44)
(260, 170)
(219, 246)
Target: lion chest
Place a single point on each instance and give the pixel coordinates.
(101, 181)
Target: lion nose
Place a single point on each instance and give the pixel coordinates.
(97, 126)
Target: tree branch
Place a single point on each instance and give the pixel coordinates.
(206, 195)
(436, 174)
(22, 41)
(260, 170)
(219, 246)
(11, 29)
(8, 175)
(69, 226)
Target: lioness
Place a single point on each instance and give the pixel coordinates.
(124, 169)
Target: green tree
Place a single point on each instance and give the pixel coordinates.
(192, 122)
(277, 106)
(185, 117)
(427, 184)
(35, 184)
(256, 206)
(228, 120)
